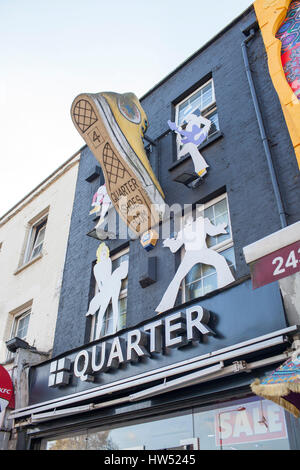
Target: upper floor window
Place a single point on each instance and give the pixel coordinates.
(107, 324)
(202, 101)
(19, 327)
(36, 239)
(203, 278)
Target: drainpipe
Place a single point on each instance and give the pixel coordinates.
(262, 131)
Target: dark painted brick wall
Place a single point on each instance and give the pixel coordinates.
(237, 163)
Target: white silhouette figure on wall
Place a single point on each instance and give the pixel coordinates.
(101, 202)
(193, 237)
(190, 137)
(109, 284)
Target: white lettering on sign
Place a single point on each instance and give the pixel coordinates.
(5, 390)
(174, 331)
(247, 423)
(291, 262)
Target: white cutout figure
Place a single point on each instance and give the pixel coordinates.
(109, 284)
(101, 202)
(192, 136)
(193, 237)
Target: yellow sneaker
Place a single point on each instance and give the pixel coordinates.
(202, 172)
(113, 125)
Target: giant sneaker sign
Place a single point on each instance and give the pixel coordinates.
(113, 125)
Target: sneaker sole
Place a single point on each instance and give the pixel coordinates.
(128, 184)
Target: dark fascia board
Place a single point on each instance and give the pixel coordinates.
(205, 46)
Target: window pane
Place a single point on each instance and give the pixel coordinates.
(196, 104)
(68, 443)
(207, 280)
(229, 255)
(209, 213)
(195, 273)
(221, 207)
(36, 250)
(199, 100)
(38, 234)
(184, 110)
(218, 214)
(108, 322)
(163, 433)
(206, 96)
(208, 270)
(116, 262)
(215, 127)
(248, 424)
(22, 326)
(194, 290)
(107, 326)
(210, 283)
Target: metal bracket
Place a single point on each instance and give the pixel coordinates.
(152, 142)
(239, 365)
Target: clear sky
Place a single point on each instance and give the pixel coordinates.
(52, 50)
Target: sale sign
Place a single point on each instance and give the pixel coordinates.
(276, 265)
(248, 423)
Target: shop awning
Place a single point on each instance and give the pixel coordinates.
(283, 385)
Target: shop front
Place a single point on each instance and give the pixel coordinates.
(178, 381)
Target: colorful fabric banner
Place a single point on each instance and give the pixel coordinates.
(282, 386)
(289, 35)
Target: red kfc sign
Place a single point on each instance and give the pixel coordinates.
(250, 423)
(276, 265)
(6, 390)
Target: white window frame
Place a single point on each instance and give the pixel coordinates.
(32, 238)
(219, 247)
(25, 312)
(205, 112)
(123, 295)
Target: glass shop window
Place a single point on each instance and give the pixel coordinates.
(248, 424)
(203, 101)
(107, 325)
(244, 424)
(202, 278)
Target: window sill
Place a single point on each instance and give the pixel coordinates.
(29, 263)
(212, 139)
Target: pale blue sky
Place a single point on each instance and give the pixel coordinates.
(52, 50)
